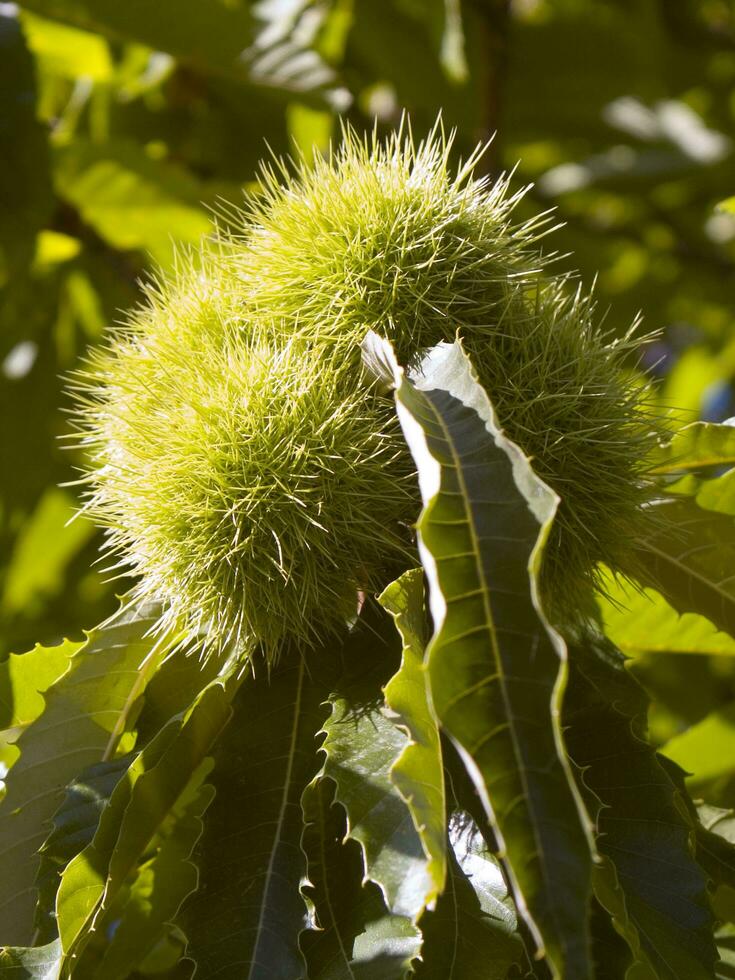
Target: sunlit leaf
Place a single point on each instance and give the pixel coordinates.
(41, 963)
(707, 749)
(67, 51)
(86, 712)
(642, 621)
(160, 887)
(74, 826)
(44, 548)
(25, 676)
(130, 199)
(240, 41)
(362, 745)
(418, 772)
(137, 808)
(690, 559)
(716, 493)
(698, 445)
(495, 664)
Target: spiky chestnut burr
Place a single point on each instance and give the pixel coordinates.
(247, 474)
(250, 491)
(389, 237)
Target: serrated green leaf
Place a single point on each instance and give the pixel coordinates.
(641, 621)
(174, 687)
(139, 804)
(610, 951)
(690, 560)
(472, 932)
(710, 492)
(244, 921)
(496, 666)
(352, 934)
(160, 887)
(24, 677)
(418, 772)
(74, 825)
(707, 749)
(649, 881)
(361, 747)
(695, 447)
(726, 947)
(40, 963)
(86, 712)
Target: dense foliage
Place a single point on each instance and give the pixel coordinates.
(467, 779)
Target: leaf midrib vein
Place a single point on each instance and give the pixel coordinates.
(490, 627)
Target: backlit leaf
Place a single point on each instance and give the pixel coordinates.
(418, 772)
(138, 806)
(642, 621)
(707, 749)
(496, 666)
(696, 446)
(41, 963)
(86, 713)
(690, 560)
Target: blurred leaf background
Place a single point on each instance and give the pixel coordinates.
(123, 125)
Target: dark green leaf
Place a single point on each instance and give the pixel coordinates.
(649, 880)
(244, 921)
(160, 887)
(472, 932)
(496, 666)
(352, 934)
(25, 189)
(74, 826)
(362, 745)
